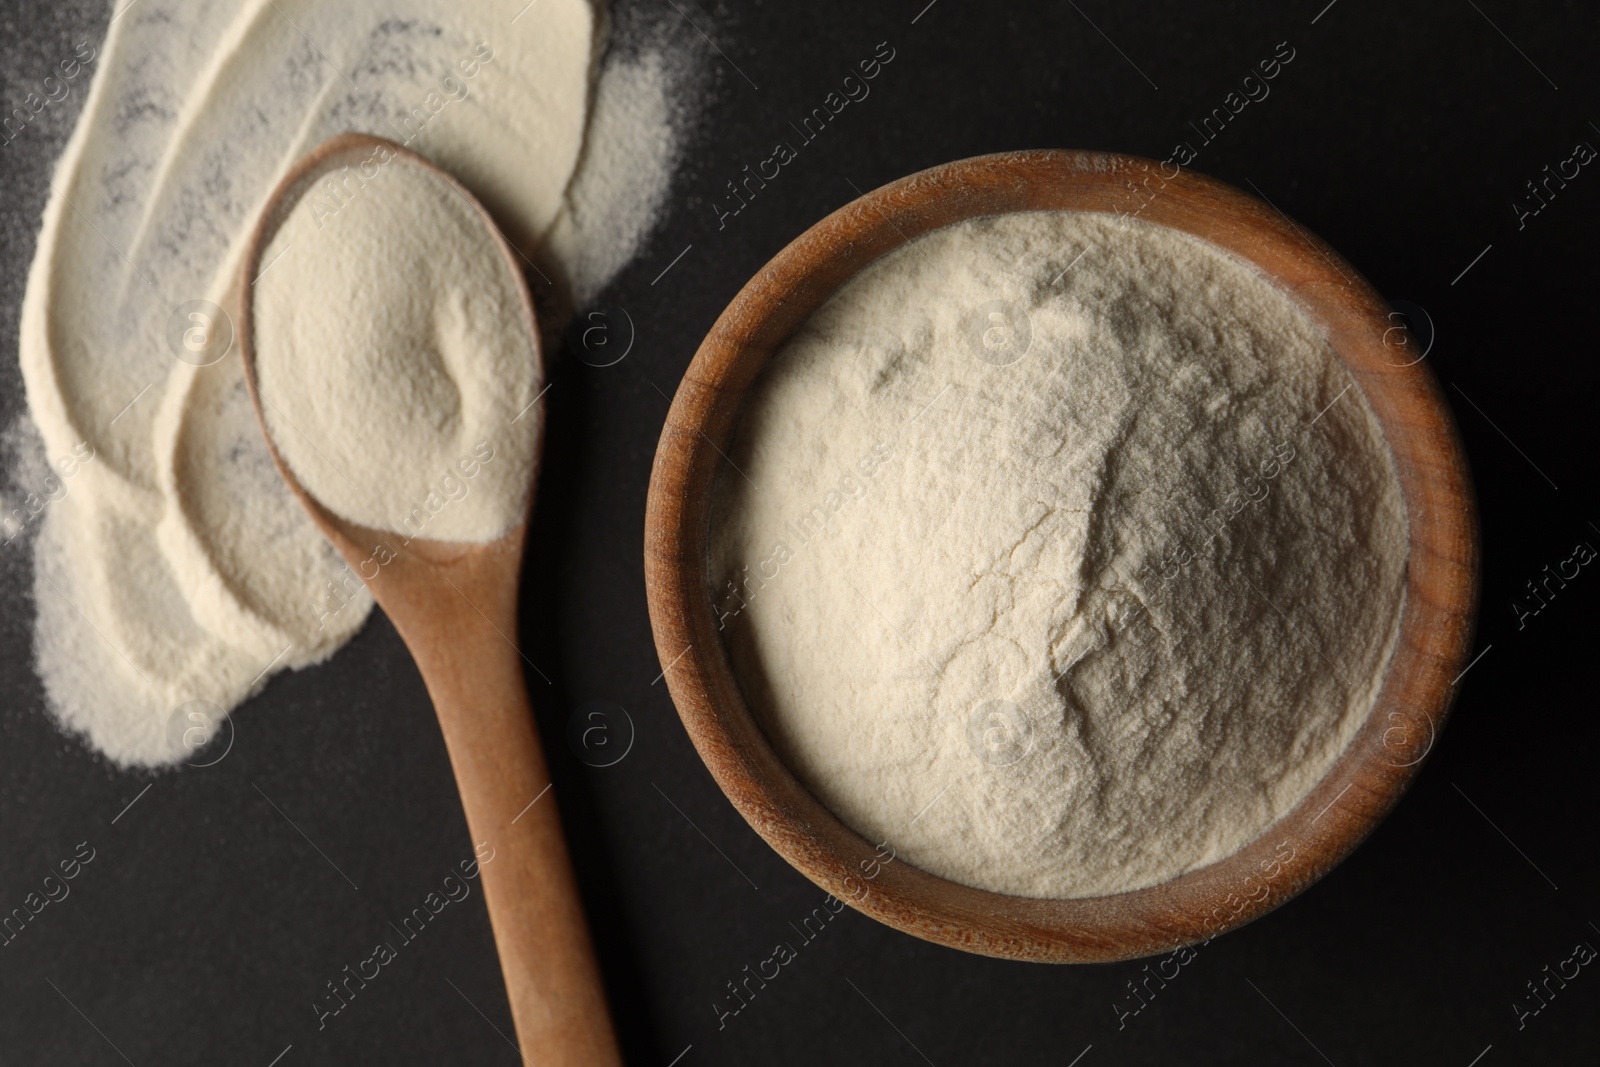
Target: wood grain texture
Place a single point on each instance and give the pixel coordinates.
(455, 606)
(1362, 786)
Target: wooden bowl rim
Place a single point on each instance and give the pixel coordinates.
(1291, 854)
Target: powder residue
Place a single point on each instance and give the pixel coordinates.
(178, 568)
(396, 366)
(1064, 575)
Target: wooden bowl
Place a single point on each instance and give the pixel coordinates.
(1291, 854)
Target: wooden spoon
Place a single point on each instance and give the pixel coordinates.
(455, 606)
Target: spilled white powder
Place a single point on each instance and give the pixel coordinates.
(636, 130)
(176, 568)
(1065, 576)
(395, 362)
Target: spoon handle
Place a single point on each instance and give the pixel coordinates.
(473, 672)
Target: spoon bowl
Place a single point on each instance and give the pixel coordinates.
(455, 606)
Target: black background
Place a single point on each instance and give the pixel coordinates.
(206, 925)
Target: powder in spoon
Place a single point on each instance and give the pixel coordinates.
(397, 369)
(177, 573)
(1060, 552)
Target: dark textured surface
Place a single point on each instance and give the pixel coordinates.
(206, 925)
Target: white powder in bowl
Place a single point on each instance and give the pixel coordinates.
(395, 363)
(1065, 576)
